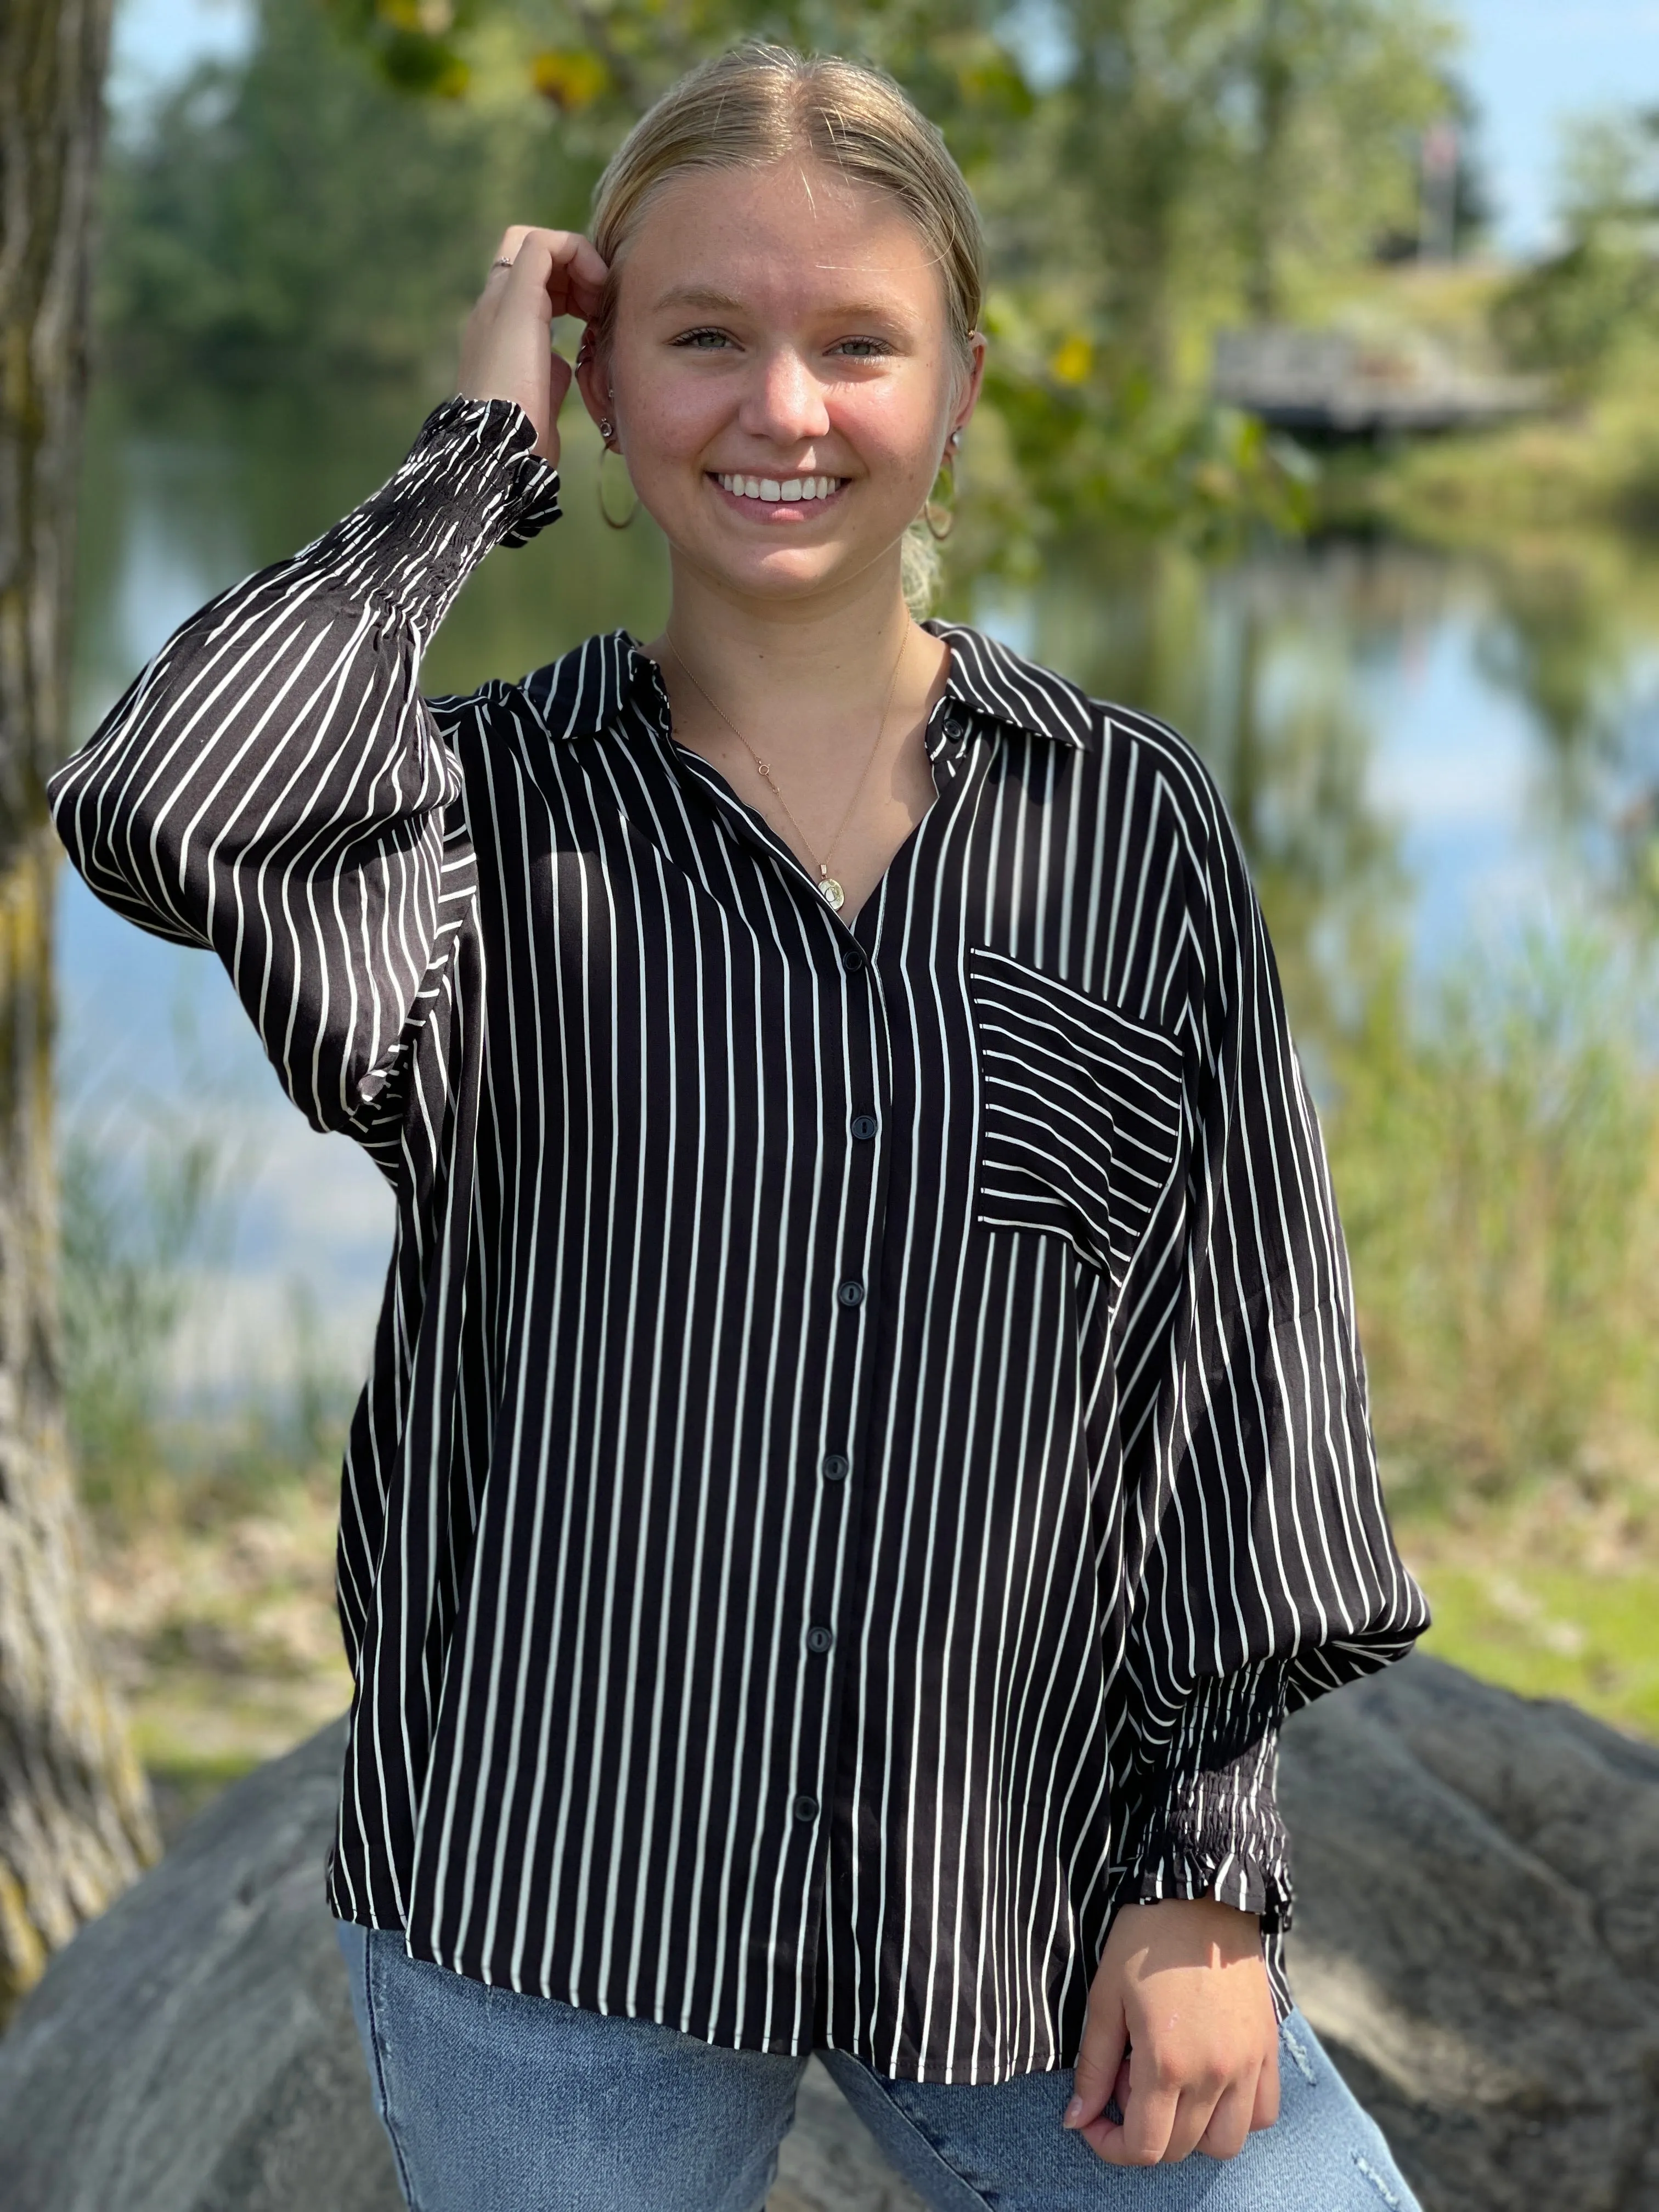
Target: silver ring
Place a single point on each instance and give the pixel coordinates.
(501, 263)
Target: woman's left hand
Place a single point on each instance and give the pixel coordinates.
(1182, 2032)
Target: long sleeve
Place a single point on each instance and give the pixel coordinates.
(1269, 1570)
(274, 787)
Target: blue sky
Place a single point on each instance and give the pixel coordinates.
(1531, 62)
(1528, 62)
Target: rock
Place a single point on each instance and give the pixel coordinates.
(1478, 1942)
(1477, 1936)
(193, 2050)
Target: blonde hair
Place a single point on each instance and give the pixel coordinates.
(758, 102)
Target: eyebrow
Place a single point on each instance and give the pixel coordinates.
(702, 295)
(695, 295)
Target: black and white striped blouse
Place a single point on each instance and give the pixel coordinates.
(866, 1440)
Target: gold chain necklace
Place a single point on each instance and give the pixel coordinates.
(833, 895)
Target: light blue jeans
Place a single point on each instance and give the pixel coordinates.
(496, 2102)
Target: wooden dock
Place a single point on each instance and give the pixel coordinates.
(1330, 385)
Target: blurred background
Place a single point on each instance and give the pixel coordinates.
(1321, 421)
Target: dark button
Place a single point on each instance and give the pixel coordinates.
(819, 1639)
(806, 1808)
(836, 1467)
(865, 1126)
(850, 1293)
(854, 957)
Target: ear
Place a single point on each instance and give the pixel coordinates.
(968, 398)
(593, 377)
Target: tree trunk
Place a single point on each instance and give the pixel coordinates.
(1272, 80)
(76, 1824)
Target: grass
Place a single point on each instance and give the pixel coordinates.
(219, 1626)
(1513, 1605)
(1496, 1157)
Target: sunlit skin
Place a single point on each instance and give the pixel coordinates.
(780, 323)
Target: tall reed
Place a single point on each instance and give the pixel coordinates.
(1495, 1156)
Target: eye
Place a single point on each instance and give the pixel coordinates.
(868, 349)
(702, 341)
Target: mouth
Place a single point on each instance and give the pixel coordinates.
(775, 498)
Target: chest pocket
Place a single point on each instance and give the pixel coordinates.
(1080, 1129)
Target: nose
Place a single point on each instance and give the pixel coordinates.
(784, 401)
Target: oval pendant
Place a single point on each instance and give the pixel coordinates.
(833, 894)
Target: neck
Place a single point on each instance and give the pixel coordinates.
(770, 663)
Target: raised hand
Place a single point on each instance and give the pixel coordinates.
(506, 350)
(1181, 2033)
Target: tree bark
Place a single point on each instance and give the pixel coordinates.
(76, 1824)
(1273, 80)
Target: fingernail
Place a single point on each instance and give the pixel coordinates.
(1074, 2113)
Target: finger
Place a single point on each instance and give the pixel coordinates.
(564, 262)
(1096, 2133)
(511, 239)
(1099, 2060)
(1193, 2119)
(526, 287)
(578, 268)
(1229, 2129)
(1149, 2115)
(1120, 2094)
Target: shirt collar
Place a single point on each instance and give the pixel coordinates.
(587, 691)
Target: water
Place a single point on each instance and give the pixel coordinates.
(1419, 749)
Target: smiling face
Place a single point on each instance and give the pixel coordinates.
(784, 376)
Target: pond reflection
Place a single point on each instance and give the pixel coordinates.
(1420, 751)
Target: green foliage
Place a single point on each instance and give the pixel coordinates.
(132, 1230)
(304, 215)
(414, 42)
(1218, 152)
(1085, 438)
(294, 217)
(1496, 1166)
(1570, 312)
(141, 1222)
(1574, 312)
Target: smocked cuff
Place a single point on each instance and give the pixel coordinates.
(1218, 1833)
(473, 481)
(1215, 1830)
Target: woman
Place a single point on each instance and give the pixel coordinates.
(866, 1442)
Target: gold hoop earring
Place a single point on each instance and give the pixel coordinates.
(606, 515)
(947, 508)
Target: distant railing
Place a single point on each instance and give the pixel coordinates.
(1330, 383)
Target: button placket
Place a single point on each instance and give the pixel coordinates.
(846, 1399)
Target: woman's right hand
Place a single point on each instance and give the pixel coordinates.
(507, 352)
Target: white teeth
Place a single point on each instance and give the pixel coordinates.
(768, 489)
